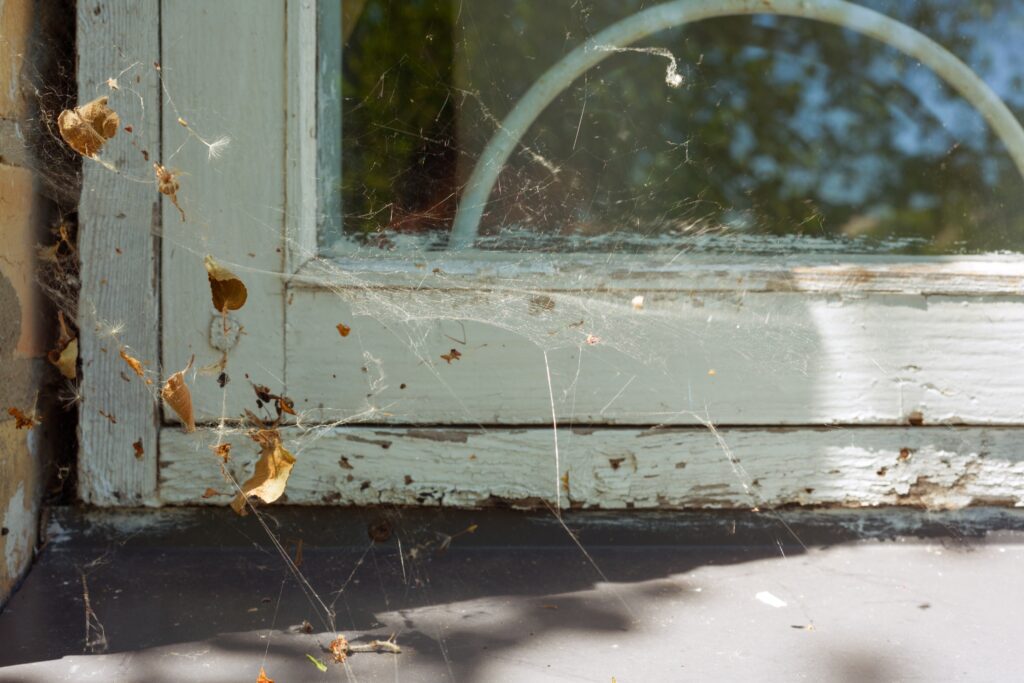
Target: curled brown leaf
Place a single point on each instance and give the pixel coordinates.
(88, 127)
(270, 476)
(227, 291)
(177, 396)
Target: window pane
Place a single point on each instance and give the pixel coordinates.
(779, 133)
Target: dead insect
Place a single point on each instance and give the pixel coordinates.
(167, 184)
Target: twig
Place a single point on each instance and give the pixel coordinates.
(376, 646)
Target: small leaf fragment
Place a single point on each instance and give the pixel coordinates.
(222, 451)
(210, 493)
(227, 291)
(21, 420)
(66, 358)
(316, 662)
(134, 363)
(87, 128)
(177, 396)
(343, 329)
(262, 678)
(451, 355)
(270, 475)
(139, 450)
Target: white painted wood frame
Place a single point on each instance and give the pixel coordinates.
(818, 374)
(119, 247)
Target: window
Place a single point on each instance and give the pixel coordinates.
(743, 260)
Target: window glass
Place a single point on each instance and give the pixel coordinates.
(755, 134)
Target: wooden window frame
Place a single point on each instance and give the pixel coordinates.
(873, 458)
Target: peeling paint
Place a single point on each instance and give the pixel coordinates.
(19, 522)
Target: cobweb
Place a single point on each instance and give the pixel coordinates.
(714, 154)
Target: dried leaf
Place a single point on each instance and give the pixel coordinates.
(339, 649)
(316, 662)
(167, 184)
(210, 493)
(139, 450)
(21, 420)
(451, 355)
(262, 678)
(343, 329)
(133, 363)
(87, 128)
(178, 397)
(270, 476)
(227, 290)
(66, 358)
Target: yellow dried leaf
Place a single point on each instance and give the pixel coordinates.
(66, 358)
(339, 649)
(178, 397)
(228, 292)
(87, 128)
(270, 476)
(262, 678)
(133, 363)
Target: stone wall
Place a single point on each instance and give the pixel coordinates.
(23, 314)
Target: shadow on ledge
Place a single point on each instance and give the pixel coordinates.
(199, 594)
